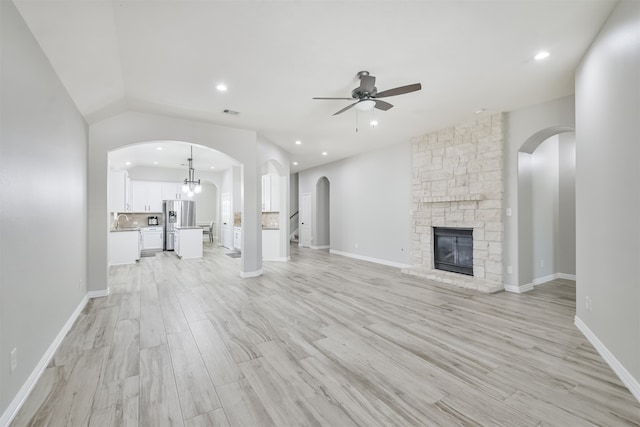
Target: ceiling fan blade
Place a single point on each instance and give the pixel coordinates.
(367, 83)
(345, 99)
(345, 109)
(399, 90)
(382, 105)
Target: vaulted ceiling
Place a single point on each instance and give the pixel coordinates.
(168, 56)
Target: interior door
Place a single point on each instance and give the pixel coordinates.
(225, 215)
(305, 220)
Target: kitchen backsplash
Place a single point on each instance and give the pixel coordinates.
(135, 219)
(271, 220)
(237, 219)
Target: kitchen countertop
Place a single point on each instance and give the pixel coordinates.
(117, 230)
(197, 227)
(271, 228)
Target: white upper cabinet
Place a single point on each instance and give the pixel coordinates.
(172, 191)
(270, 193)
(146, 196)
(119, 197)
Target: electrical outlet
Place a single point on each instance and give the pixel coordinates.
(509, 269)
(587, 303)
(509, 212)
(356, 246)
(14, 359)
(541, 263)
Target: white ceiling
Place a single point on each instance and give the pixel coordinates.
(167, 57)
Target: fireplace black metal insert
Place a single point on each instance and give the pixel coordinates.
(453, 249)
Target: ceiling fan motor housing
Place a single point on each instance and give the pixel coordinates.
(359, 94)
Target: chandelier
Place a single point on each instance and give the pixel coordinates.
(190, 185)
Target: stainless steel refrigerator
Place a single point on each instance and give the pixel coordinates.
(177, 213)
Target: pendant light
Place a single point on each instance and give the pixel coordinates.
(190, 185)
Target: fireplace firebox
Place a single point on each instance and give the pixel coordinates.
(453, 249)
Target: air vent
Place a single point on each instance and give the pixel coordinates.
(230, 112)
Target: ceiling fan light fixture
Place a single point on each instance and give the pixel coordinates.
(366, 105)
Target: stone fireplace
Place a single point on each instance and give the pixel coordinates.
(458, 183)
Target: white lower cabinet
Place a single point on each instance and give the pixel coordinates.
(124, 247)
(237, 238)
(188, 242)
(152, 238)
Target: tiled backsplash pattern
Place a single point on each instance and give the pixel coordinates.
(458, 182)
(135, 219)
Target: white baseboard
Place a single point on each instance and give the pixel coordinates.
(278, 259)
(98, 294)
(17, 402)
(627, 379)
(320, 247)
(538, 281)
(567, 276)
(519, 289)
(249, 274)
(369, 259)
(544, 279)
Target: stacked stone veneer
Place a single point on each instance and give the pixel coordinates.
(458, 181)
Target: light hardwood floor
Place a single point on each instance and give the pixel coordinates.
(322, 341)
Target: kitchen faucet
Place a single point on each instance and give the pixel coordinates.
(118, 220)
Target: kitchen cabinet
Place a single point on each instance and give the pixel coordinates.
(152, 238)
(188, 242)
(124, 247)
(172, 191)
(146, 196)
(237, 238)
(119, 194)
(270, 193)
(271, 245)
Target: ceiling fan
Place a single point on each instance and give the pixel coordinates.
(367, 94)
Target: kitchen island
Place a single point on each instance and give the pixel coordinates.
(188, 242)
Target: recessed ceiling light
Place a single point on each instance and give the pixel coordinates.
(541, 55)
(221, 87)
(155, 163)
(127, 163)
(213, 167)
(295, 163)
(298, 142)
(159, 148)
(324, 153)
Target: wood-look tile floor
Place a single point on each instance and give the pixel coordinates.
(322, 341)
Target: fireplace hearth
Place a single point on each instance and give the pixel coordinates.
(453, 249)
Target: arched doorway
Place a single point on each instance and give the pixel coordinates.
(323, 214)
(132, 128)
(154, 171)
(546, 206)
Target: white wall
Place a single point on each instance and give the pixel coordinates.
(206, 204)
(567, 204)
(607, 181)
(43, 205)
(323, 212)
(293, 199)
(526, 129)
(370, 203)
(545, 170)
